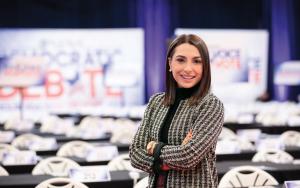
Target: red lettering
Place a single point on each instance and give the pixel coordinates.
(6, 94)
(227, 64)
(92, 74)
(113, 92)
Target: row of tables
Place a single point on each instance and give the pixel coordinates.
(274, 129)
(20, 174)
(280, 172)
(118, 179)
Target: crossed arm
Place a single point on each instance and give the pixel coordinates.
(194, 147)
(152, 148)
(197, 143)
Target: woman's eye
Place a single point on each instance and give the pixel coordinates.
(180, 60)
(197, 61)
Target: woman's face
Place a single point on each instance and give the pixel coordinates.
(186, 65)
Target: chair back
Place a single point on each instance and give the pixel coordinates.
(75, 149)
(60, 183)
(121, 162)
(227, 133)
(25, 140)
(290, 138)
(143, 183)
(246, 176)
(3, 172)
(55, 166)
(274, 156)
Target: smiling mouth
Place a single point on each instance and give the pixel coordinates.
(187, 77)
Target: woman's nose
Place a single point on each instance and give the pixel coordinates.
(188, 67)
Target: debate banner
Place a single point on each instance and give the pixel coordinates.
(84, 70)
(239, 60)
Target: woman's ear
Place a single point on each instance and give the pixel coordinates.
(169, 61)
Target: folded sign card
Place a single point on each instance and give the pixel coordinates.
(102, 153)
(19, 158)
(6, 136)
(97, 173)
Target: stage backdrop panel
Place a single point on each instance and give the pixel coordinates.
(239, 60)
(86, 70)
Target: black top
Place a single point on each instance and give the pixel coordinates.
(181, 94)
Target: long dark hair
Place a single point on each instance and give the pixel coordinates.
(203, 87)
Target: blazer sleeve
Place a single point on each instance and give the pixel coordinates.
(206, 130)
(137, 151)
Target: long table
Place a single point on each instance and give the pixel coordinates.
(271, 129)
(247, 155)
(244, 156)
(27, 168)
(281, 172)
(121, 147)
(118, 179)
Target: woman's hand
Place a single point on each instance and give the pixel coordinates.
(150, 147)
(187, 138)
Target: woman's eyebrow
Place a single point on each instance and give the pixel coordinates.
(182, 56)
(197, 57)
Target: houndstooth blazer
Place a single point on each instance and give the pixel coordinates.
(193, 164)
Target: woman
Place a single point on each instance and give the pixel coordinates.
(176, 140)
